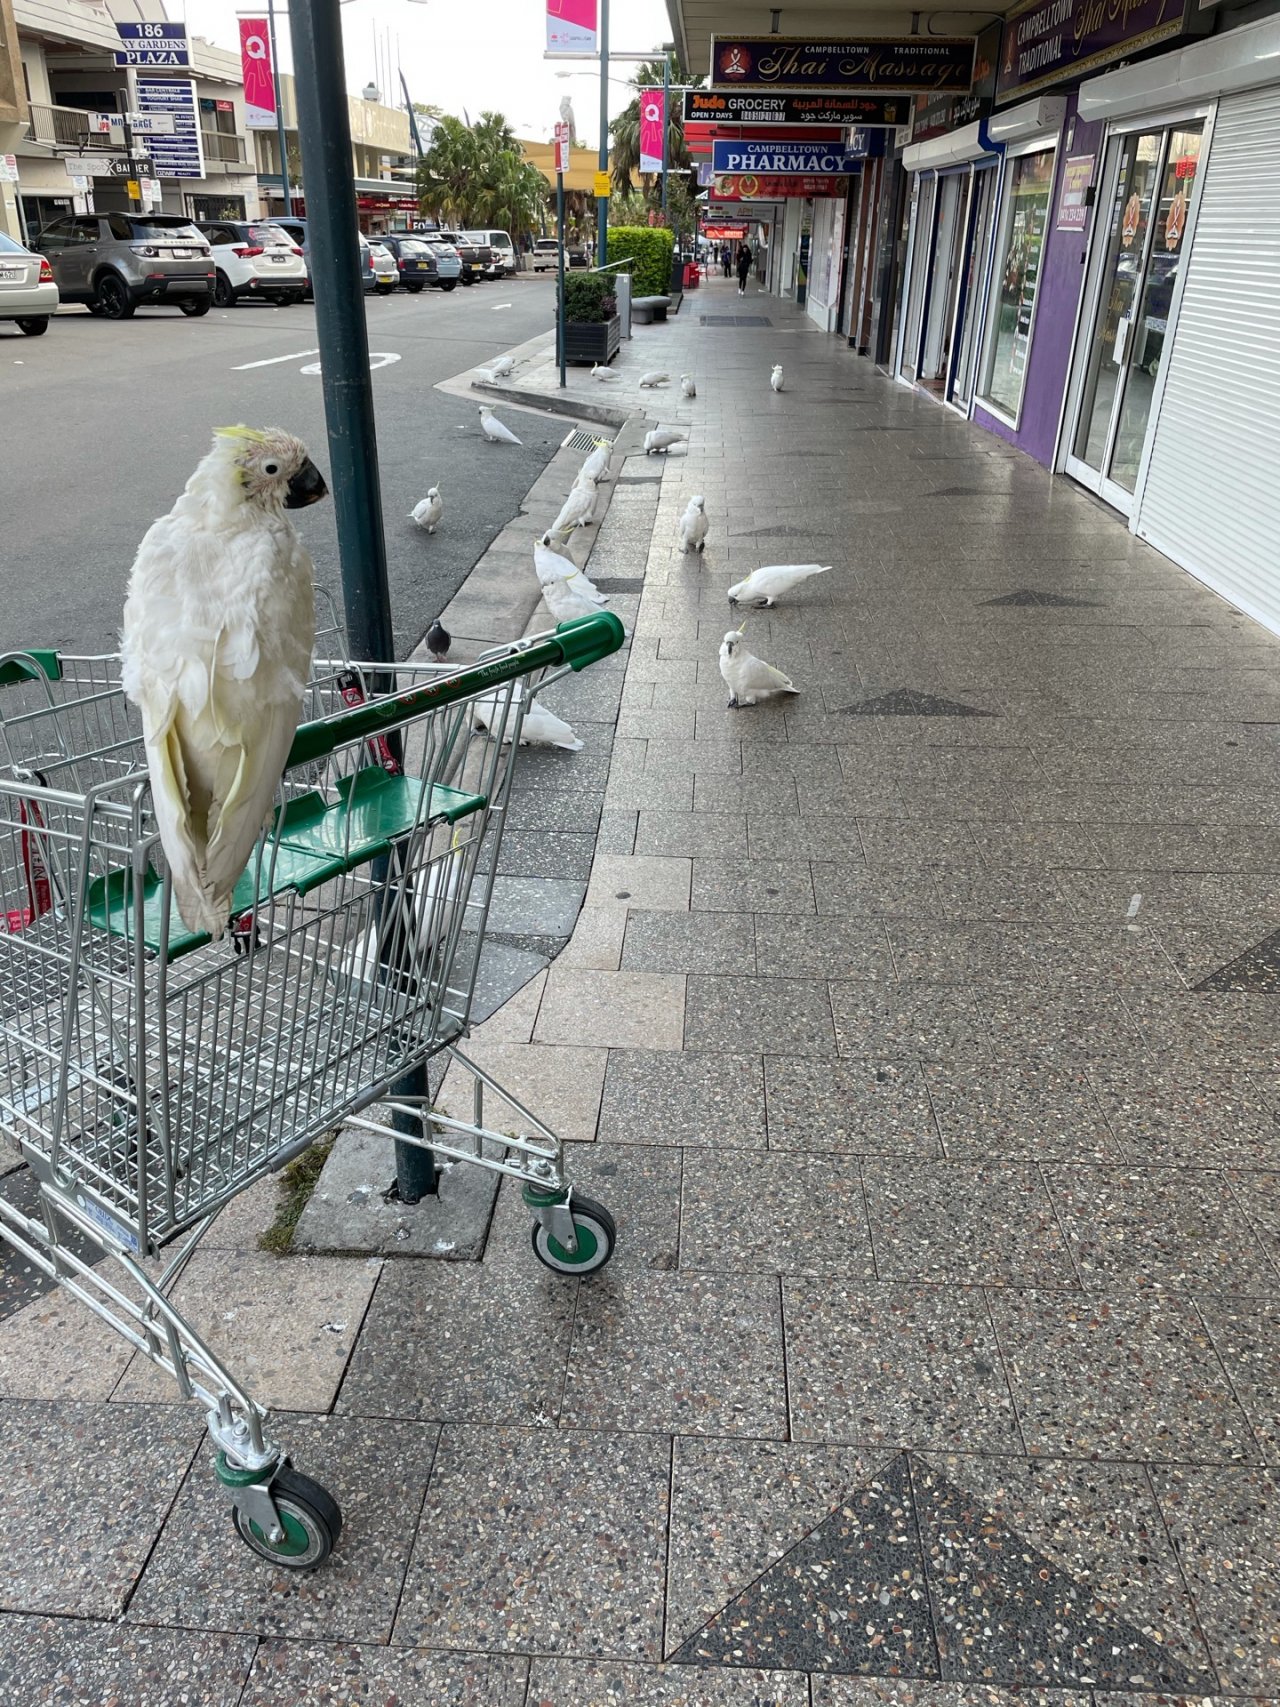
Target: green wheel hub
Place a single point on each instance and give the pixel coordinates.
(296, 1538)
(588, 1245)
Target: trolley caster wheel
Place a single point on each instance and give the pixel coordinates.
(309, 1515)
(597, 1236)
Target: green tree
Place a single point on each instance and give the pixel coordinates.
(475, 175)
(624, 154)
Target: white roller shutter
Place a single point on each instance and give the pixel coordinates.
(1212, 494)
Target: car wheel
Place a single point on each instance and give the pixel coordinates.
(413, 289)
(384, 290)
(466, 279)
(195, 306)
(34, 325)
(223, 295)
(448, 284)
(114, 301)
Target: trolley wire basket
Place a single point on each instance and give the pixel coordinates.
(150, 1073)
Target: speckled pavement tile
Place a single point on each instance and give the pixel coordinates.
(822, 947)
(1215, 1031)
(1052, 1571)
(868, 1108)
(1031, 1109)
(508, 1512)
(614, 1010)
(102, 1478)
(964, 1221)
(656, 885)
(639, 1184)
(587, 1683)
(752, 886)
(1071, 1029)
(340, 1674)
(738, 1507)
(689, 942)
(1225, 1525)
(868, 1692)
(560, 1085)
(237, 1301)
(596, 942)
(47, 1662)
(849, 1596)
(1174, 1227)
(1187, 1118)
(1246, 1336)
(908, 1022)
(896, 1365)
(420, 1355)
(513, 1022)
(856, 891)
(679, 1353)
(197, 1577)
(1121, 1377)
(787, 1015)
(654, 1097)
(773, 1214)
(56, 1348)
(1258, 1194)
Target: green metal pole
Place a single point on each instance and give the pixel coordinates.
(560, 314)
(281, 140)
(324, 133)
(602, 202)
(666, 121)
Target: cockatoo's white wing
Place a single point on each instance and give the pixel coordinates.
(755, 676)
(542, 728)
(497, 431)
(564, 603)
(577, 509)
(596, 465)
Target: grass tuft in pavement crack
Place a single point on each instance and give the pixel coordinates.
(296, 1183)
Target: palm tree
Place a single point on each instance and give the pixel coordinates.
(624, 153)
(475, 175)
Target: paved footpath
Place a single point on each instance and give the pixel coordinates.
(920, 1032)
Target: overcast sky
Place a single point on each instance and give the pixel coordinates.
(482, 56)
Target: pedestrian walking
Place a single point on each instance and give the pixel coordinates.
(744, 269)
(726, 260)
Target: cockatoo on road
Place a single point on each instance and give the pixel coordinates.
(766, 585)
(219, 623)
(747, 677)
(428, 512)
(577, 509)
(494, 430)
(775, 378)
(596, 467)
(555, 570)
(693, 526)
(662, 438)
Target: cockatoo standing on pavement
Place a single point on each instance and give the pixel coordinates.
(218, 628)
(747, 677)
(693, 525)
(596, 467)
(775, 378)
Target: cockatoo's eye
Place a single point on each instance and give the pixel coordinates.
(271, 468)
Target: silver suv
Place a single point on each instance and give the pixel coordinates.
(116, 261)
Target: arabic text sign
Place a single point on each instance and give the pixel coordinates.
(151, 46)
(754, 187)
(751, 106)
(901, 65)
(1048, 40)
(571, 26)
(179, 155)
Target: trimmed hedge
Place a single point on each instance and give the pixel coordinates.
(651, 248)
(588, 299)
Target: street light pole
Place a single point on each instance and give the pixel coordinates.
(602, 202)
(666, 120)
(280, 129)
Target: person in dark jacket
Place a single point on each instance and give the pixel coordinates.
(726, 260)
(744, 268)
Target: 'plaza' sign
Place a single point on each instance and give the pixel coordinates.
(907, 65)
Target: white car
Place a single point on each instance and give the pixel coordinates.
(254, 258)
(28, 294)
(546, 253)
(504, 251)
(386, 274)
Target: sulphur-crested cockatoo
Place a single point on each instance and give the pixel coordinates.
(502, 367)
(556, 571)
(596, 467)
(764, 586)
(650, 381)
(693, 526)
(494, 430)
(410, 929)
(775, 378)
(662, 438)
(428, 511)
(747, 677)
(688, 385)
(540, 728)
(577, 509)
(599, 371)
(216, 647)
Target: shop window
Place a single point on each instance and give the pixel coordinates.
(1019, 251)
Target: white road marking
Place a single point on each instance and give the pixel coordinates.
(495, 306)
(1133, 907)
(272, 360)
(377, 359)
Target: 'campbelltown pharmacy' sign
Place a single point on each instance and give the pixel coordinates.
(1049, 41)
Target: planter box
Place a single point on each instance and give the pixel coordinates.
(593, 341)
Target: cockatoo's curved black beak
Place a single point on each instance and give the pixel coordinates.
(306, 487)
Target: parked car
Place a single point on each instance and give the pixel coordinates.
(504, 251)
(476, 258)
(546, 255)
(575, 253)
(386, 274)
(116, 262)
(254, 258)
(296, 228)
(28, 294)
(421, 262)
(493, 267)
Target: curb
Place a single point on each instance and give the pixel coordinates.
(551, 404)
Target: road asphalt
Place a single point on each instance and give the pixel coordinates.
(104, 422)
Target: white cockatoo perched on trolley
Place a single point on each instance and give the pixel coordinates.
(219, 623)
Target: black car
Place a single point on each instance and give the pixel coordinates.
(415, 259)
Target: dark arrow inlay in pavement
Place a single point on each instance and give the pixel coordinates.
(1256, 972)
(906, 702)
(1052, 601)
(975, 1602)
(734, 320)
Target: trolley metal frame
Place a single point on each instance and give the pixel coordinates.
(149, 1074)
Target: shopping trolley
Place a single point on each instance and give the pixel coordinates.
(149, 1074)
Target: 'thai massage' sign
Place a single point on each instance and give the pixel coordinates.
(906, 65)
(1051, 41)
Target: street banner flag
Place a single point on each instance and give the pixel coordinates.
(653, 118)
(571, 26)
(255, 70)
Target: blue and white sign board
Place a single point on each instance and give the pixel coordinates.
(148, 47)
(179, 155)
(784, 159)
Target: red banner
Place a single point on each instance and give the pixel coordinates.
(653, 120)
(255, 73)
(724, 233)
(760, 187)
